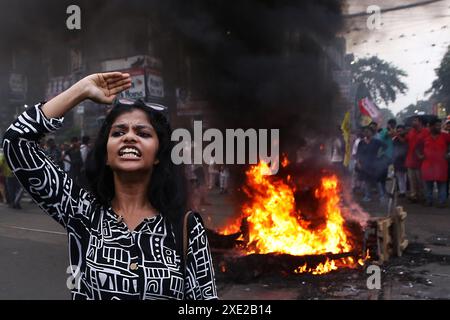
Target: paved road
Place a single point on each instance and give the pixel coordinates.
(33, 255)
(33, 250)
(34, 258)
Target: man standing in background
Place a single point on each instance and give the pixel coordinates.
(53, 152)
(84, 151)
(12, 186)
(399, 159)
(432, 149)
(413, 162)
(338, 152)
(76, 161)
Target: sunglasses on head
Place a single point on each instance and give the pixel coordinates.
(130, 102)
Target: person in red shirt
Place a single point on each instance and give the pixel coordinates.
(447, 130)
(412, 161)
(432, 149)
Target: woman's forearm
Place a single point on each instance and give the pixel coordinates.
(64, 102)
(98, 87)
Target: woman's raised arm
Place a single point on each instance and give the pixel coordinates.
(99, 87)
(53, 190)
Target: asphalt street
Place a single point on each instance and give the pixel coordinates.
(34, 260)
(33, 255)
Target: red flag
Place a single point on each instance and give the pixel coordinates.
(368, 108)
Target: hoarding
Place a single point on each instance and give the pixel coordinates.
(155, 83)
(137, 89)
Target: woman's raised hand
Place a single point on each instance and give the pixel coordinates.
(99, 87)
(104, 87)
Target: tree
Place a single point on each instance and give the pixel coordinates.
(441, 86)
(380, 78)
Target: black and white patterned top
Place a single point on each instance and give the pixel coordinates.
(107, 260)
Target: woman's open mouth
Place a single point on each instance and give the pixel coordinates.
(129, 153)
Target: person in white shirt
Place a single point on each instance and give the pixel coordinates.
(224, 175)
(66, 158)
(84, 148)
(337, 152)
(212, 175)
(355, 182)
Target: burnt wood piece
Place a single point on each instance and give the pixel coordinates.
(230, 241)
(384, 248)
(220, 241)
(249, 267)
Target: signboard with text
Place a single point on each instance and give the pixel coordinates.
(140, 61)
(155, 83)
(137, 89)
(18, 87)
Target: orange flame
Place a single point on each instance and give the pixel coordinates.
(275, 224)
(232, 228)
(331, 265)
(274, 221)
(284, 162)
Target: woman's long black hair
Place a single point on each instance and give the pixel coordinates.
(167, 187)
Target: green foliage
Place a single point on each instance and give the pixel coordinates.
(382, 80)
(441, 86)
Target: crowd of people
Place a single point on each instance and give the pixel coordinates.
(69, 156)
(417, 155)
(206, 178)
(10, 189)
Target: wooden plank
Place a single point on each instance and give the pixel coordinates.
(384, 238)
(399, 236)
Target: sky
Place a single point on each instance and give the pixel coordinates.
(413, 39)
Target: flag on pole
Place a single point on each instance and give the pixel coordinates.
(369, 111)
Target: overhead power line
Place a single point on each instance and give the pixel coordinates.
(402, 7)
